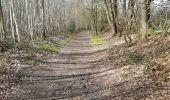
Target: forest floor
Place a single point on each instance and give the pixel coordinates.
(82, 70)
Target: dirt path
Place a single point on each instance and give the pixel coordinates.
(77, 73)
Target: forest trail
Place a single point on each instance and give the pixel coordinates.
(78, 73)
(122, 50)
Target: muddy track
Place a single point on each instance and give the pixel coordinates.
(76, 73)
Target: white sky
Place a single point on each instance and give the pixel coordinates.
(158, 1)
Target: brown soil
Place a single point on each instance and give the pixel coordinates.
(82, 71)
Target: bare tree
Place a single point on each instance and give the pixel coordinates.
(111, 7)
(2, 31)
(143, 29)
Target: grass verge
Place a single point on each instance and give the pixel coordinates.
(47, 47)
(97, 40)
(53, 47)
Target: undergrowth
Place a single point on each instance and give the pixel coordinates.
(97, 40)
(155, 31)
(47, 47)
(53, 47)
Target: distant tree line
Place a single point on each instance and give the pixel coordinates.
(29, 19)
(126, 17)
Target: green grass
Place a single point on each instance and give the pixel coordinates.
(97, 40)
(155, 31)
(158, 32)
(54, 47)
(68, 39)
(47, 47)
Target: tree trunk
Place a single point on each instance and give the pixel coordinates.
(96, 17)
(109, 17)
(143, 29)
(44, 28)
(2, 31)
(148, 12)
(12, 28)
(114, 16)
(14, 24)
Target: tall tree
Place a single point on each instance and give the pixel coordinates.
(143, 28)
(128, 20)
(14, 24)
(94, 15)
(44, 28)
(111, 8)
(148, 11)
(2, 31)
